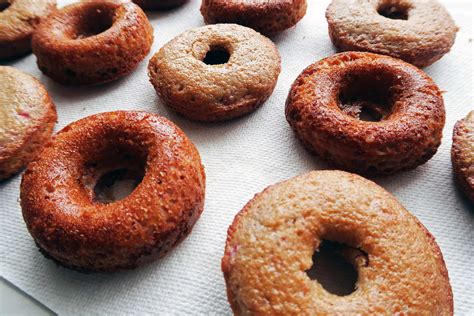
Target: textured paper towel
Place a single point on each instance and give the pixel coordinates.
(241, 157)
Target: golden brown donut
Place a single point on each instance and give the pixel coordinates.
(18, 20)
(92, 42)
(215, 72)
(159, 4)
(81, 227)
(271, 242)
(27, 117)
(418, 31)
(462, 154)
(367, 113)
(266, 16)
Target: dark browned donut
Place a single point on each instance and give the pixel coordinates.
(18, 20)
(262, 15)
(462, 154)
(417, 31)
(81, 227)
(367, 113)
(159, 4)
(92, 42)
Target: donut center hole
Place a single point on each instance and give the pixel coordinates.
(117, 185)
(217, 55)
(334, 267)
(367, 96)
(394, 10)
(113, 172)
(4, 5)
(97, 19)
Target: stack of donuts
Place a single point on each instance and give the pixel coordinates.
(369, 110)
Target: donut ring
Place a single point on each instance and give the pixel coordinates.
(215, 72)
(27, 118)
(80, 228)
(271, 242)
(18, 20)
(267, 17)
(367, 113)
(159, 4)
(462, 154)
(417, 31)
(92, 42)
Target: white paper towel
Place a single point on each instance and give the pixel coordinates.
(241, 157)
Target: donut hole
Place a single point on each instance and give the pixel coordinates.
(368, 95)
(95, 19)
(113, 173)
(4, 5)
(217, 55)
(334, 267)
(394, 9)
(117, 185)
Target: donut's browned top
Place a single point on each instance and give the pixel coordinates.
(92, 41)
(25, 109)
(406, 136)
(184, 81)
(463, 153)
(159, 4)
(66, 221)
(18, 21)
(272, 240)
(424, 37)
(266, 16)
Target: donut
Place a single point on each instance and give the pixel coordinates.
(27, 118)
(367, 113)
(73, 217)
(93, 42)
(271, 242)
(159, 4)
(18, 20)
(267, 17)
(417, 31)
(215, 72)
(462, 154)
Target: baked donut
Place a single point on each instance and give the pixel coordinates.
(78, 222)
(418, 31)
(92, 42)
(159, 4)
(263, 16)
(18, 19)
(462, 154)
(269, 246)
(367, 113)
(215, 72)
(27, 117)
